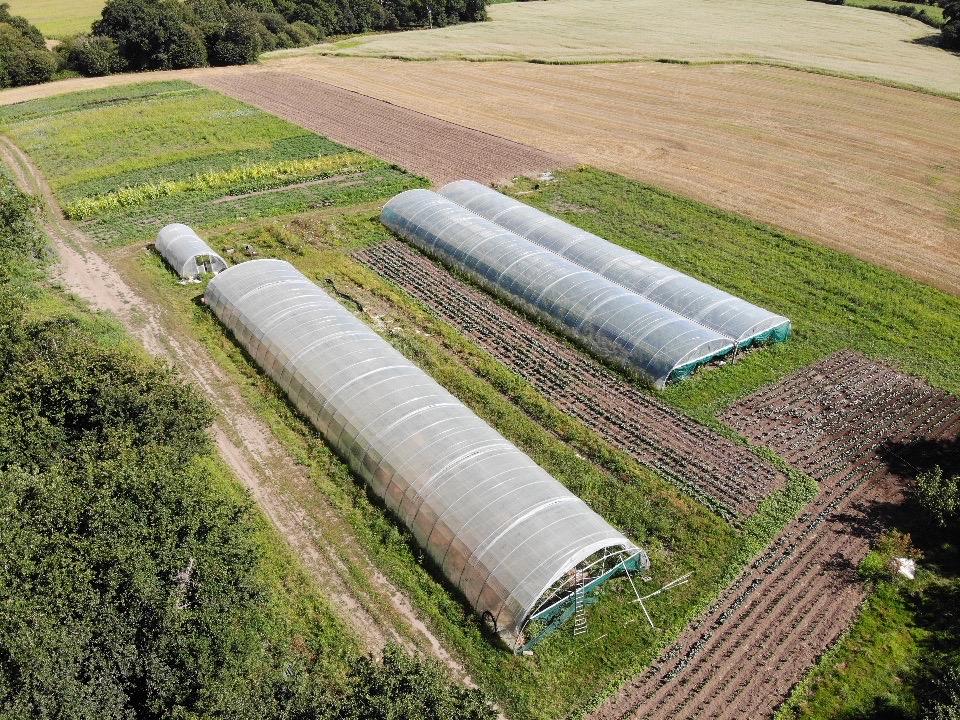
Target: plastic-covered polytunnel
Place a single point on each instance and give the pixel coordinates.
(502, 530)
(732, 317)
(611, 321)
(186, 253)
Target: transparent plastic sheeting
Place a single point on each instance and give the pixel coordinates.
(732, 317)
(181, 247)
(501, 529)
(611, 321)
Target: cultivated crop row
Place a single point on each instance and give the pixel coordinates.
(843, 420)
(722, 474)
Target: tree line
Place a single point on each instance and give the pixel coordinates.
(137, 35)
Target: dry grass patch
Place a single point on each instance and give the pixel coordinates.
(797, 33)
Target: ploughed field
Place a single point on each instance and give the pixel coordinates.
(440, 150)
(722, 474)
(855, 426)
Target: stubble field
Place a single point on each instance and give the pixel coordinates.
(796, 33)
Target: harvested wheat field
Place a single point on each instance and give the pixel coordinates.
(826, 158)
(796, 33)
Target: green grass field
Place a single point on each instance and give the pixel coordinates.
(57, 19)
(178, 153)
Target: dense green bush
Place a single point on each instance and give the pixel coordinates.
(236, 39)
(19, 237)
(950, 33)
(152, 34)
(401, 687)
(937, 496)
(24, 58)
(92, 55)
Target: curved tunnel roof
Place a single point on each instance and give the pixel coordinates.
(730, 316)
(180, 246)
(501, 529)
(613, 322)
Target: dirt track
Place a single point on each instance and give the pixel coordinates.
(859, 428)
(866, 169)
(278, 484)
(708, 466)
(439, 150)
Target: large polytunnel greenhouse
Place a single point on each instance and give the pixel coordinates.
(510, 537)
(186, 253)
(640, 336)
(732, 317)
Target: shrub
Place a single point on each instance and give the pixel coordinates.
(402, 686)
(152, 34)
(236, 41)
(950, 33)
(93, 55)
(22, 62)
(307, 31)
(938, 497)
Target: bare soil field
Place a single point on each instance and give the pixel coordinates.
(859, 428)
(795, 33)
(437, 149)
(869, 170)
(708, 466)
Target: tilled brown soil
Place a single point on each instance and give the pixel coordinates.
(857, 427)
(437, 149)
(712, 468)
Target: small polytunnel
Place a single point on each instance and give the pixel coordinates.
(502, 530)
(732, 317)
(186, 253)
(611, 321)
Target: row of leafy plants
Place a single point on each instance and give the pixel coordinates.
(139, 580)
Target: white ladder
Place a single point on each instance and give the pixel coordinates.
(579, 605)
